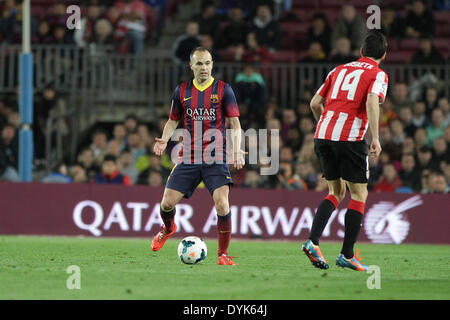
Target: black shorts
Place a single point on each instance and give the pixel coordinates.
(186, 177)
(343, 159)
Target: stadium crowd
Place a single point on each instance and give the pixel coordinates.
(415, 120)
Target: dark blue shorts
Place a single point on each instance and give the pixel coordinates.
(186, 177)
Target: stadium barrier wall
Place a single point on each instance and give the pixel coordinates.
(119, 211)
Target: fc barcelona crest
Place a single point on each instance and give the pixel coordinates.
(214, 98)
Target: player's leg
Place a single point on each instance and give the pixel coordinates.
(220, 197)
(167, 210)
(353, 220)
(217, 179)
(355, 173)
(336, 193)
(326, 207)
(329, 164)
(181, 182)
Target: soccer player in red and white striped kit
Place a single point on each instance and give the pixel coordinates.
(346, 105)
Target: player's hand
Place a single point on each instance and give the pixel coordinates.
(375, 148)
(160, 146)
(239, 159)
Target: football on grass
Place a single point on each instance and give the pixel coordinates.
(192, 250)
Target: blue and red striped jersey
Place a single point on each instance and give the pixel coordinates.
(203, 110)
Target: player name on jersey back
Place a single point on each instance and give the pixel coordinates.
(345, 89)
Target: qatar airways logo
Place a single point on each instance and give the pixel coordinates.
(386, 222)
(201, 114)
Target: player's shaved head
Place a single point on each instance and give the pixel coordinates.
(199, 49)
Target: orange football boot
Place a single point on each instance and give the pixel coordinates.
(160, 239)
(225, 260)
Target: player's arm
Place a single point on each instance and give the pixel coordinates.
(161, 143)
(373, 115)
(318, 99)
(171, 124)
(238, 154)
(316, 105)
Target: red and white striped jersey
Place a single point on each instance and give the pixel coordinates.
(346, 87)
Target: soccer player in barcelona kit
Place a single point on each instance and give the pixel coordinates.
(351, 93)
(202, 104)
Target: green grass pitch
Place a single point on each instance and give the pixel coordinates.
(112, 268)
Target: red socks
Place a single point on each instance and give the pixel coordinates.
(224, 233)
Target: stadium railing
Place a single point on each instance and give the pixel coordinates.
(150, 78)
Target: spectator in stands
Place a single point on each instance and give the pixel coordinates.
(87, 160)
(11, 22)
(424, 158)
(113, 148)
(250, 89)
(387, 112)
(120, 135)
(408, 146)
(98, 145)
(78, 173)
(389, 181)
(206, 41)
(135, 145)
(444, 105)
(420, 138)
(441, 153)
(131, 123)
(288, 120)
(427, 53)
(437, 184)
(349, 25)
(315, 54)
(436, 128)
(431, 100)
(9, 151)
(85, 33)
(388, 144)
(447, 171)
(134, 12)
(235, 33)
(343, 52)
(287, 178)
(126, 166)
(208, 21)
(319, 31)
(305, 174)
(266, 29)
(405, 115)
(419, 118)
(110, 173)
(400, 97)
(306, 126)
(43, 34)
(253, 52)
(119, 25)
(185, 43)
(60, 174)
(375, 171)
(392, 23)
(103, 33)
(58, 16)
(155, 179)
(251, 180)
(294, 138)
(60, 36)
(419, 21)
(397, 130)
(409, 175)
